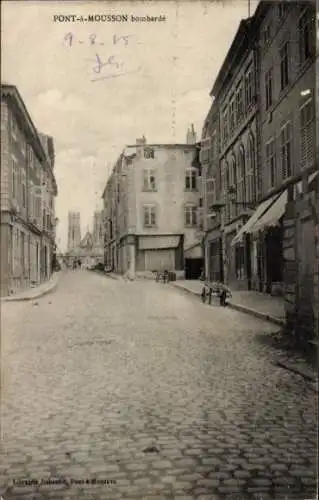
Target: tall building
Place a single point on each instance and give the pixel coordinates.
(261, 192)
(150, 206)
(235, 94)
(74, 230)
(28, 191)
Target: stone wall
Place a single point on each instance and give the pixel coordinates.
(301, 266)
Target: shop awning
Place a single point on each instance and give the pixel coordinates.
(261, 209)
(194, 252)
(312, 177)
(158, 242)
(272, 216)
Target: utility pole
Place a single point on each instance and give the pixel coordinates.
(248, 8)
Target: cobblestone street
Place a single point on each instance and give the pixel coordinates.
(144, 386)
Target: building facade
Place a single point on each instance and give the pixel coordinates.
(211, 186)
(28, 191)
(287, 40)
(151, 206)
(230, 159)
(264, 97)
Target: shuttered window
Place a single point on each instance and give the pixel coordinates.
(307, 134)
(232, 184)
(284, 65)
(14, 182)
(271, 162)
(250, 171)
(268, 87)
(241, 176)
(307, 37)
(285, 144)
(225, 188)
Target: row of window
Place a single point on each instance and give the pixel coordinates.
(239, 104)
(150, 215)
(286, 144)
(306, 51)
(278, 158)
(32, 160)
(149, 179)
(37, 214)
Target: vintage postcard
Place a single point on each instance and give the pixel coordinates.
(159, 250)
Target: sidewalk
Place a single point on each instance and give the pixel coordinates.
(36, 292)
(268, 308)
(254, 303)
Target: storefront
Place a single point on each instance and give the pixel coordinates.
(260, 248)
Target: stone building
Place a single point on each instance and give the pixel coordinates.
(28, 190)
(235, 97)
(211, 182)
(289, 163)
(278, 238)
(287, 127)
(151, 206)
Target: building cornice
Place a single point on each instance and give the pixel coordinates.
(236, 50)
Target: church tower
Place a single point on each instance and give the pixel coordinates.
(74, 230)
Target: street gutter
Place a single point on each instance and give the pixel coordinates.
(51, 287)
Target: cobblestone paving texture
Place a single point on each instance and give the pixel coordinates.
(141, 385)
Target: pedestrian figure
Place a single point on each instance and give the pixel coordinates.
(222, 298)
(165, 276)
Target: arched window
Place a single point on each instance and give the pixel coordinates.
(232, 184)
(225, 187)
(241, 176)
(251, 171)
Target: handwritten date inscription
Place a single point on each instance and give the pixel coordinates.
(70, 40)
(107, 67)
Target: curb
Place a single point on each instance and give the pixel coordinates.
(298, 371)
(257, 314)
(37, 296)
(243, 309)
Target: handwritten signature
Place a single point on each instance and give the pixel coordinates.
(116, 68)
(70, 40)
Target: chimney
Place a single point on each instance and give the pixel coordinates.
(141, 142)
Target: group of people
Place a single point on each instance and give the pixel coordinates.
(77, 264)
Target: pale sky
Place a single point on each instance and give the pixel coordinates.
(167, 71)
